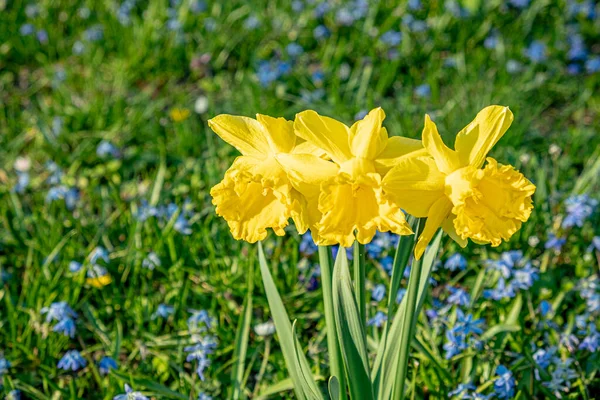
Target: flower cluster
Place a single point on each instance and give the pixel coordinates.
(347, 183)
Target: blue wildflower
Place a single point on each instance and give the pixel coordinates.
(99, 253)
(72, 361)
(391, 38)
(344, 17)
(465, 324)
(491, 41)
(106, 364)
(577, 50)
(513, 67)
(524, 278)
(423, 91)
(65, 326)
(536, 52)
(163, 311)
(58, 311)
(591, 342)
(321, 32)
(561, 377)
(130, 395)
(579, 208)
(200, 352)
(198, 6)
(454, 345)
(151, 261)
(554, 243)
(307, 245)
(107, 149)
(504, 385)
(4, 365)
(252, 22)
(378, 292)
(387, 263)
(595, 245)
(13, 395)
(94, 33)
(400, 295)
(26, 29)
(349, 252)
(456, 262)
(458, 297)
(78, 48)
(197, 317)
(204, 396)
(519, 3)
(378, 319)
(75, 266)
(42, 36)
(593, 65)
(294, 49)
(414, 5)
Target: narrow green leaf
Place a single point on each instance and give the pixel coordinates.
(388, 367)
(494, 330)
(350, 331)
(304, 387)
(334, 388)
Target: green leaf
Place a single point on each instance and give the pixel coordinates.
(384, 375)
(334, 388)
(350, 331)
(494, 330)
(304, 387)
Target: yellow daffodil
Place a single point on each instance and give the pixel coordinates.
(256, 193)
(451, 189)
(344, 196)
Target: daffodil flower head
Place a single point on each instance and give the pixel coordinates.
(451, 189)
(344, 196)
(256, 193)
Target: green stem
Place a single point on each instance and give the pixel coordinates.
(359, 282)
(336, 366)
(409, 321)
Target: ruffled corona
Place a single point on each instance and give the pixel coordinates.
(490, 204)
(354, 207)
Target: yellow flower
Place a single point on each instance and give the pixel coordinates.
(449, 187)
(344, 198)
(256, 193)
(99, 281)
(179, 114)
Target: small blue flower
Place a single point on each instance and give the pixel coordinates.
(106, 149)
(252, 22)
(99, 253)
(456, 262)
(106, 364)
(321, 32)
(344, 17)
(151, 261)
(197, 317)
(387, 263)
(466, 325)
(42, 36)
(294, 50)
(378, 319)
(593, 65)
(130, 395)
(94, 33)
(72, 361)
(554, 243)
(561, 377)
(75, 266)
(26, 30)
(4, 366)
(513, 67)
(595, 245)
(349, 252)
(163, 311)
(504, 385)
(58, 311)
(378, 292)
(536, 52)
(391, 38)
(577, 50)
(65, 326)
(458, 297)
(423, 91)
(545, 308)
(200, 352)
(579, 209)
(543, 357)
(591, 342)
(454, 345)
(414, 5)
(204, 396)
(519, 3)
(13, 395)
(198, 6)
(491, 41)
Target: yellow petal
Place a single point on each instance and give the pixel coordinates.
(356, 207)
(414, 184)
(437, 214)
(309, 148)
(245, 134)
(490, 205)
(448, 227)
(445, 158)
(395, 148)
(306, 172)
(324, 132)
(280, 133)
(367, 137)
(99, 281)
(254, 195)
(475, 141)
